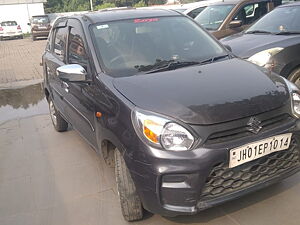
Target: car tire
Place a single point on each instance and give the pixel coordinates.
(131, 205)
(21, 37)
(1, 38)
(33, 38)
(295, 77)
(58, 122)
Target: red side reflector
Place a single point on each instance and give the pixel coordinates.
(1, 29)
(146, 20)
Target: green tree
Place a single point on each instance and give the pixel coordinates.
(104, 6)
(140, 4)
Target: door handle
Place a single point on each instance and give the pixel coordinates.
(65, 86)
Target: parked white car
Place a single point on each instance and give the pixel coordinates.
(10, 29)
(195, 8)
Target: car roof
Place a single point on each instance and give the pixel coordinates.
(128, 13)
(9, 21)
(290, 4)
(40, 16)
(235, 2)
(195, 5)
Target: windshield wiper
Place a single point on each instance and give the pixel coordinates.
(213, 59)
(165, 65)
(172, 65)
(258, 32)
(287, 32)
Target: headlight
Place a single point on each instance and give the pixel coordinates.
(263, 57)
(162, 132)
(296, 104)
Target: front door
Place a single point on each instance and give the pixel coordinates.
(79, 96)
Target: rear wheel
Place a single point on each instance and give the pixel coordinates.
(130, 202)
(295, 77)
(59, 123)
(33, 38)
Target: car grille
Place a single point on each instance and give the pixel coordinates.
(223, 180)
(240, 132)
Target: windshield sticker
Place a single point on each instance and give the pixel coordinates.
(145, 20)
(103, 26)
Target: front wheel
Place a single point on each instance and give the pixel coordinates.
(295, 77)
(131, 205)
(59, 123)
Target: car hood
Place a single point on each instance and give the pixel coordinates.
(246, 45)
(207, 94)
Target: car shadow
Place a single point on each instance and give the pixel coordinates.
(246, 201)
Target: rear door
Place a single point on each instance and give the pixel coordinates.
(54, 58)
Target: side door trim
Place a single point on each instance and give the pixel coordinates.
(83, 116)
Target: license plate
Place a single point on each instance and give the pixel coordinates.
(258, 149)
(42, 27)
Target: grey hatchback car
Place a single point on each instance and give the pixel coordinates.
(185, 124)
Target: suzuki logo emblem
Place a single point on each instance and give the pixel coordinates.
(254, 125)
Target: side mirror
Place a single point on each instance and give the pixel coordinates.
(235, 24)
(71, 73)
(28, 24)
(228, 48)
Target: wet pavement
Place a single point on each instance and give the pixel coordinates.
(51, 178)
(22, 102)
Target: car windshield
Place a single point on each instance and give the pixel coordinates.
(137, 46)
(9, 23)
(213, 16)
(40, 20)
(281, 20)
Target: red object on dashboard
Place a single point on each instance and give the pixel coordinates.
(146, 20)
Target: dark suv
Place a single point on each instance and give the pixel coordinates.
(186, 124)
(40, 26)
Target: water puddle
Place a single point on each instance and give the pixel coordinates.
(22, 102)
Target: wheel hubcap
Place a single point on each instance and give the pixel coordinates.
(297, 82)
(52, 113)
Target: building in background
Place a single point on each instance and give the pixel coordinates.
(21, 11)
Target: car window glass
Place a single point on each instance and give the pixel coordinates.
(77, 51)
(285, 19)
(60, 42)
(195, 12)
(213, 16)
(9, 23)
(40, 20)
(127, 46)
(251, 12)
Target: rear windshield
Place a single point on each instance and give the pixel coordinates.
(133, 46)
(40, 19)
(9, 23)
(213, 16)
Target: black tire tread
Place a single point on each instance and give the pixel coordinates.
(61, 124)
(130, 202)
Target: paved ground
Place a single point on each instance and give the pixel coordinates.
(50, 178)
(20, 60)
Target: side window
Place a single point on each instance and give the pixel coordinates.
(60, 43)
(195, 12)
(77, 50)
(49, 41)
(251, 12)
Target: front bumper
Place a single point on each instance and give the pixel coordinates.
(181, 183)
